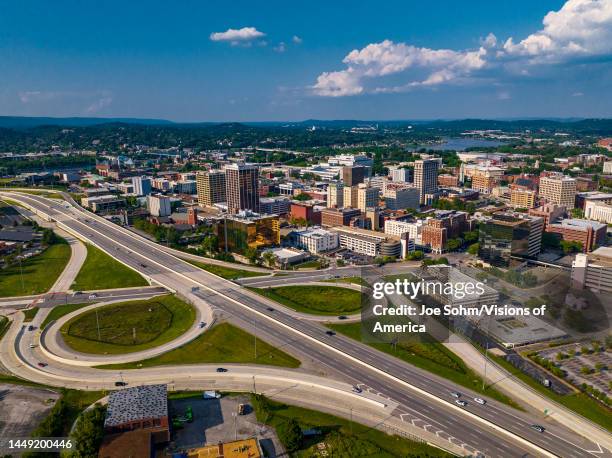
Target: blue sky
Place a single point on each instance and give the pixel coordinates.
(278, 60)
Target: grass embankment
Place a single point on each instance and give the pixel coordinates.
(431, 356)
(40, 272)
(341, 438)
(229, 273)
(129, 326)
(59, 311)
(100, 271)
(29, 314)
(351, 280)
(580, 403)
(223, 343)
(317, 300)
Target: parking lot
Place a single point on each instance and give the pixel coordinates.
(217, 420)
(22, 409)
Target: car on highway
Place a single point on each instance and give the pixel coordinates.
(538, 428)
(461, 402)
(32, 345)
(221, 369)
(455, 394)
(93, 296)
(343, 317)
(480, 401)
(356, 389)
(202, 324)
(31, 328)
(42, 364)
(330, 333)
(270, 309)
(120, 383)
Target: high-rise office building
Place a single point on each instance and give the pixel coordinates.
(242, 188)
(350, 196)
(558, 189)
(335, 195)
(397, 198)
(367, 197)
(142, 186)
(426, 177)
(211, 187)
(353, 175)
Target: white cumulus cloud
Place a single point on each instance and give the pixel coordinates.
(580, 29)
(237, 36)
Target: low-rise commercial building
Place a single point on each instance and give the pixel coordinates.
(338, 216)
(274, 205)
(508, 235)
(598, 211)
(316, 240)
(369, 243)
(103, 204)
(401, 198)
(588, 233)
(242, 231)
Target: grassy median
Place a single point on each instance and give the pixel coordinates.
(40, 272)
(101, 271)
(223, 343)
(317, 300)
(431, 356)
(129, 326)
(229, 273)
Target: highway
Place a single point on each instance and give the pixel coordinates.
(480, 428)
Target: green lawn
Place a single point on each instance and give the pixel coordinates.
(580, 403)
(318, 300)
(352, 280)
(59, 311)
(431, 356)
(39, 272)
(229, 273)
(344, 439)
(100, 271)
(129, 326)
(29, 314)
(223, 343)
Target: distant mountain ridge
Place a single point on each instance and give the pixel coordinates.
(24, 122)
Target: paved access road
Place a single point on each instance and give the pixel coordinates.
(494, 429)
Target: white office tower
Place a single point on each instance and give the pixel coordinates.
(159, 205)
(426, 177)
(558, 189)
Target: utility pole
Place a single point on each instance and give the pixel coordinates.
(254, 388)
(255, 338)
